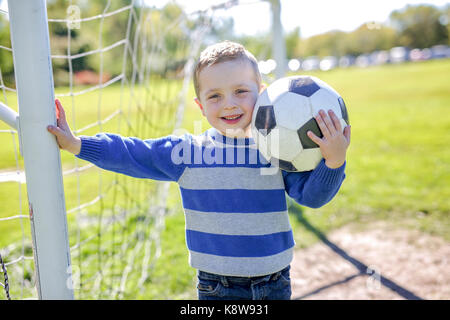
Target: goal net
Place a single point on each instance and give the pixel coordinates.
(118, 66)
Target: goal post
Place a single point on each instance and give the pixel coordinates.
(278, 42)
(147, 60)
(35, 92)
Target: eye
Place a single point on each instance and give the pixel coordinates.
(213, 96)
(240, 91)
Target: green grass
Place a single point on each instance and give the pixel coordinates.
(398, 166)
(398, 170)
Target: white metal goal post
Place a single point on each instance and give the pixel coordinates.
(35, 92)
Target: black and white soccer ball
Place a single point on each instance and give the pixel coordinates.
(284, 113)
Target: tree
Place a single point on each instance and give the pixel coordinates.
(259, 45)
(6, 59)
(445, 20)
(292, 42)
(419, 26)
(326, 44)
(367, 39)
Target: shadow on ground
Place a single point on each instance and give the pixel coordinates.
(362, 269)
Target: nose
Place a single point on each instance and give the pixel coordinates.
(230, 104)
(230, 107)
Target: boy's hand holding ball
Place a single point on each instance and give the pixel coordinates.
(335, 142)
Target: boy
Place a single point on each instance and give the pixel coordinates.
(237, 227)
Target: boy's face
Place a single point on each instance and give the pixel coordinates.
(228, 92)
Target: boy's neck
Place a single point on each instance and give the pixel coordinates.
(238, 133)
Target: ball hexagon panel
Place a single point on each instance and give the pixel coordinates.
(291, 110)
(262, 142)
(282, 164)
(343, 110)
(311, 125)
(303, 85)
(279, 148)
(265, 119)
(308, 159)
(326, 100)
(277, 88)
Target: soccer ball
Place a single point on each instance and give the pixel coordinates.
(284, 113)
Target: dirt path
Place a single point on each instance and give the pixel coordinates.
(378, 263)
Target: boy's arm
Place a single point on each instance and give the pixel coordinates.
(314, 188)
(150, 158)
(134, 157)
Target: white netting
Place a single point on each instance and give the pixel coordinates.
(140, 63)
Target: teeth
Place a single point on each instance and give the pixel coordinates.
(232, 118)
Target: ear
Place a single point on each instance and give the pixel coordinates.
(197, 101)
(262, 87)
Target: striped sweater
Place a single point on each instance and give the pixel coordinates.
(234, 200)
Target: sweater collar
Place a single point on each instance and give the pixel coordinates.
(215, 134)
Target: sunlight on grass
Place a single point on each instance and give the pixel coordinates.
(398, 165)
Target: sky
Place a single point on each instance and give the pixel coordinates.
(312, 16)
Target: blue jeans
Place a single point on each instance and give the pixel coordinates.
(276, 286)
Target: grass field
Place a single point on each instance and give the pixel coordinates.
(398, 167)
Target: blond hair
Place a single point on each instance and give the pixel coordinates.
(221, 52)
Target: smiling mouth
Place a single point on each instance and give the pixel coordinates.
(231, 118)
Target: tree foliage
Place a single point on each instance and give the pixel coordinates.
(420, 26)
(6, 60)
(413, 26)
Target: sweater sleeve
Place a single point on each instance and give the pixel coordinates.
(134, 157)
(314, 188)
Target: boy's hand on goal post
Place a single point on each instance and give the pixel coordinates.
(64, 136)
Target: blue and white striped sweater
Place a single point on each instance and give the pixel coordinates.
(234, 201)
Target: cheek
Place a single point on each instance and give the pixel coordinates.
(250, 102)
(211, 109)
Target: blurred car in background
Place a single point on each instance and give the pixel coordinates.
(328, 63)
(420, 54)
(346, 61)
(311, 63)
(380, 57)
(440, 52)
(363, 61)
(399, 54)
(294, 64)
